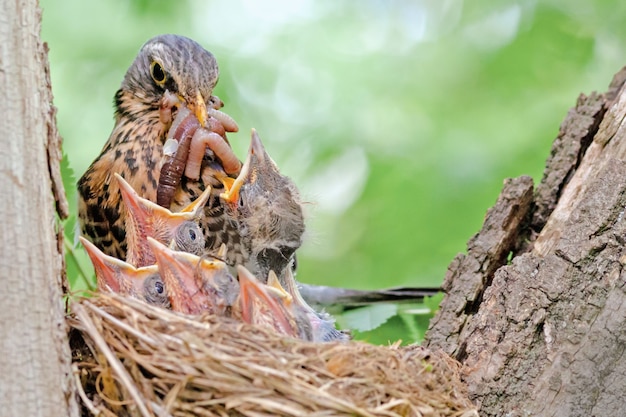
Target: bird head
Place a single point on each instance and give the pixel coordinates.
(146, 218)
(123, 278)
(267, 207)
(291, 299)
(176, 66)
(195, 285)
(265, 305)
(319, 327)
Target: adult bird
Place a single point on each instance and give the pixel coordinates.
(170, 72)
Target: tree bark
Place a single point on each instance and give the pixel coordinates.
(536, 308)
(35, 364)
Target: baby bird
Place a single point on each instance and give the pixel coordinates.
(195, 285)
(198, 285)
(118, 276)
(266, 209)
(146, 219)
(266, 306)
(322, 325)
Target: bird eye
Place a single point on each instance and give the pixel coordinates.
(159, 287)
(192, 234)
(157, 72)
(240, 202)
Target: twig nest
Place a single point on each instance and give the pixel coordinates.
(135, 359)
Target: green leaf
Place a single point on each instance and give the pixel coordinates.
(69, 181)
(367, 318)
(78, 266)
(80, 272)
(433, 302)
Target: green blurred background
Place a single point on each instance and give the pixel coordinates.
(398, 120)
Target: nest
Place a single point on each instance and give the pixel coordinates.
(138, 360)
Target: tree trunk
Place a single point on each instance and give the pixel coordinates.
(35, 368)
(536, 308)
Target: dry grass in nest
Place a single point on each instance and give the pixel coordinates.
(135, 359)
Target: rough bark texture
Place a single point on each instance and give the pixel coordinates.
(35, 369)
(544, 334)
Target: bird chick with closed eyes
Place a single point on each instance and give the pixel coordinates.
(117, 276)
(146, 219)
(265, 206)
(201, 285)
(195, 285)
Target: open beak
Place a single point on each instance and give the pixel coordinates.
(197, 205)
(275, 285)
(256, 146)
(321, 326)
(178, 272)
(222, 252)
(150, 219)
(194, 284)
(256, 155)
(145, 211)
(291, 287)
(111, 272)
(252, 294)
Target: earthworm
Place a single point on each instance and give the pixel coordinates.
(225, 120)
(202, 139)
(184, 127)
(214, 125)
(165, 108)
(227, 123)
(215, 103)
(187, 141)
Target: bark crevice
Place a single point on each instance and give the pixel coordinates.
(544, 334)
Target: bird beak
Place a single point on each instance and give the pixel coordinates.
(292, 288)
(253, 291)
(228, 184)
(178, 271)
(256, 155)
(199, 109)
(110, 272)
(274, 284)
(197, 205)
(256, 146)
(144, 212)
(222, 251)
